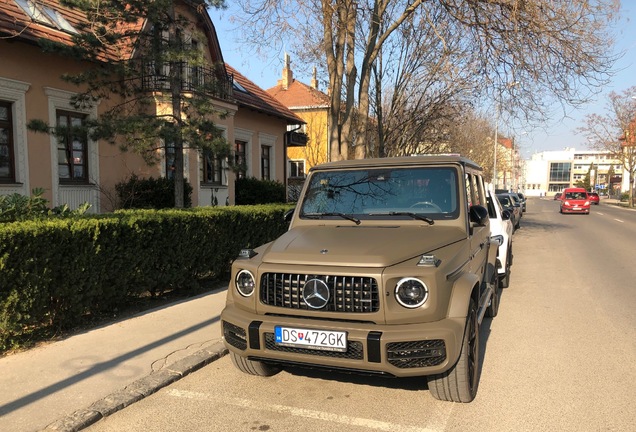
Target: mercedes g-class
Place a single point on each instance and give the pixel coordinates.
(387, 268)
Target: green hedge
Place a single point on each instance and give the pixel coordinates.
(56, 273)
(250, 191)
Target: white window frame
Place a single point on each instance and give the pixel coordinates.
(268, 140)
(61, 100)
(224, 180)
(291, 161)
(15, 92)
(248, 137)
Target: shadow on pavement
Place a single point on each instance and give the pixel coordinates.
(98, 368)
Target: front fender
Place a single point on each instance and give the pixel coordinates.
(462, 291)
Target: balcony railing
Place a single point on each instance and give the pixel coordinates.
(194, 79)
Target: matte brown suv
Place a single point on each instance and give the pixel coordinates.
(387, 268)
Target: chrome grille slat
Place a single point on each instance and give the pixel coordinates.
(356, 294)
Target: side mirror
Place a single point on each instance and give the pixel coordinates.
(479, 215)
(505, 215)
(289, 214)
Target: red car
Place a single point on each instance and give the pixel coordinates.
(575, 200)
(594, 198)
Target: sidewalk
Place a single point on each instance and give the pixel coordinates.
(70, 384)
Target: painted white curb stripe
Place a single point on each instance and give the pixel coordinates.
(301, 412)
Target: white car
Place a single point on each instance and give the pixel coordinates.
(501, 230)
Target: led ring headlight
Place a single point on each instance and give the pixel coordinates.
(411, 292)
(245, 283)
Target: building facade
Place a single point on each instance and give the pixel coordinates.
(549, 172)
(77, 170)
(312, 106)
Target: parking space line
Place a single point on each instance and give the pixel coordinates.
(302, 412)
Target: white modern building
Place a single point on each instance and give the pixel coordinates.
(549, 172)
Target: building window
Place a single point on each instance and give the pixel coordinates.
(265, 162)
(297, 169)
(7, 167)
(170, 160)
(240, 159)
(211, 169)
(560, 171)
(72, 147)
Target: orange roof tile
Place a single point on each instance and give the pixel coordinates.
(258, 99)
(506, 142)
(15, 22)
(299, 96)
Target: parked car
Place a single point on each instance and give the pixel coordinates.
(575, 200)
(501, 231)
(385, 269)
(523, 200)
(594, 198)
(517, 202)
(557, 196)
(515, 210)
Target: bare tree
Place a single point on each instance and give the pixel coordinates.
(473, 136)
(427, 84)
(615, 132)
(557, 51)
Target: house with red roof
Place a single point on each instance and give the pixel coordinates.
(256, 124)
(312, 105)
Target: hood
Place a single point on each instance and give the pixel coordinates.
(360, 246)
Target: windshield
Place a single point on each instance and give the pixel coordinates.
(386, 193)
(576, 195)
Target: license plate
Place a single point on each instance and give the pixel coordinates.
(324, 340)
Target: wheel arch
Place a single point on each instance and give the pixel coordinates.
(465, 288)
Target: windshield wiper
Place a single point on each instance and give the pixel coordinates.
(411, 214)
(342, 215)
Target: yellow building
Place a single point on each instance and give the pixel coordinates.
(311, 105)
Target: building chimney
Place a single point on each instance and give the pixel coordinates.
(288, 76)
(314, 81)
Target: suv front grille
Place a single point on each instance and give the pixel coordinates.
(346, 293)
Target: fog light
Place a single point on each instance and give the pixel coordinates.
(411, 292)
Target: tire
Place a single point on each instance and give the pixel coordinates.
(459, 384)
(493, 307)
(252, 367)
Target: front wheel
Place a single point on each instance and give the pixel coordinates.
(459, 384)
(252, 367)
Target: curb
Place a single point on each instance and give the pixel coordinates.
(138, 390)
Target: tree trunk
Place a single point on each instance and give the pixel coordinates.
(175, 89)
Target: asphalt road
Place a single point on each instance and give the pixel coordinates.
(558, 357)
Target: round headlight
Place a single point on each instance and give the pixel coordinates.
(245, 283)
(411, 292)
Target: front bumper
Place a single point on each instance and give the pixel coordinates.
(397, 350)
(570, 209)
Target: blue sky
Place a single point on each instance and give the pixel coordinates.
(553, 136)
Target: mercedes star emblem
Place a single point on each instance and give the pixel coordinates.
(316, 293)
